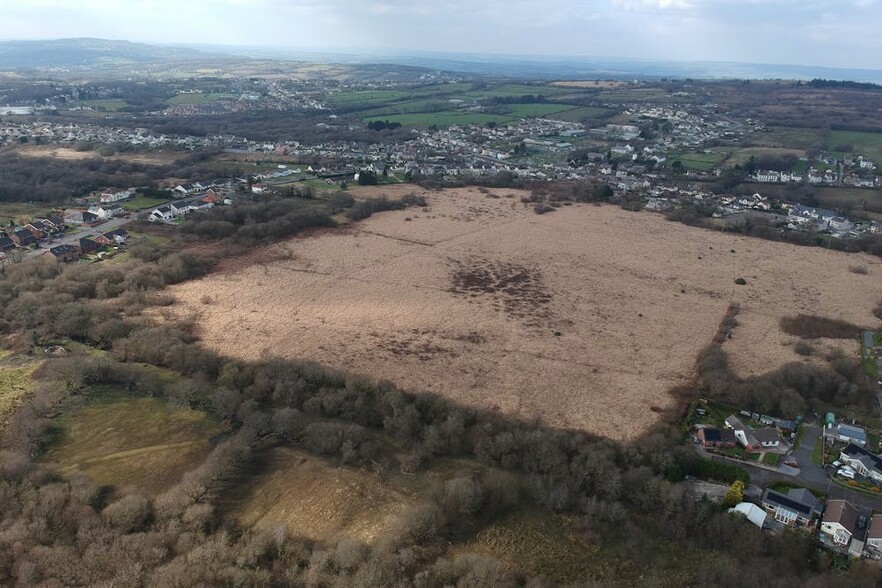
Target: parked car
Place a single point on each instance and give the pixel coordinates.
(791, 461)
(845, 473)
(836, 463)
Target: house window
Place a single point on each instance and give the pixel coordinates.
(785, 516)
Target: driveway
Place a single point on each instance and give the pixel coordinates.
(810, 473)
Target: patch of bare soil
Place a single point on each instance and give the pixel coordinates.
(582, 318)
(67, 153)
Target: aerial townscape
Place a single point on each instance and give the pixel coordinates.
(436, 321)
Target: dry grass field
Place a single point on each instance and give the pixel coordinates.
(317, 500)
(67, 153)
(583, 318)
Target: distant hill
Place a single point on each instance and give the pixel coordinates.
(73, 53)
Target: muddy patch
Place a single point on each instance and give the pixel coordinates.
(512, 288)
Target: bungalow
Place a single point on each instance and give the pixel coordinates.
(768, 437)
(839, 523)
(743, 434)
(258, 188)
(36, 232)
(110, 196)
(862, 460)
(711, 437)
(101, 240)
(22, 238)
(80, 217)
(88, 246)
(798, 507)
(6, 244)
(106, 211)
(161, 214)
(118, 236)
(846, 434)
(181, 207)
(65, 253)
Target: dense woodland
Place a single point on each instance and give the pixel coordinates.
(65, 530)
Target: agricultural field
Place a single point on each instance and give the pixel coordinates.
(197, 98)
(583, 318)
(859, 143)
(102, 105)
(142, 202)
(123, 441)
(788, 137)
(698, 161)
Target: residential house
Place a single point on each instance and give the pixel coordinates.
(35, 231)
(162, 214)
(862, 461)
(712, 437)
(874, 535)
(753, 439)
(110, 196)
(839, 523)
(181, 207)
(768, 437)
(106, 211)
(65, 253)
(258, 188)
(80, 217)
(22, 238)
(798, 507)
(6, 244)
(847, 434)
(101, 240)
(88, 246)
(118, 236)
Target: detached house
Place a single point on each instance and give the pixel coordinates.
(710, 437)
(839, 523)
(862, 460)
(161, 214)
(22, 238)
(6, 244)
(798, 507)
(65, 253)
(753, 439)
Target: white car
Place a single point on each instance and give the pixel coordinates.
(846, 473)
(836, 463)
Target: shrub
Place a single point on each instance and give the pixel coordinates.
(858, 269)
(741, 282)
(815, 327)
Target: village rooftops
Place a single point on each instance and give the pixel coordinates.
(766, 435)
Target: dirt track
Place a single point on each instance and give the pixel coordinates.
(584, 317)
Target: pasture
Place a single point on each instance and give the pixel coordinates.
(858, 143)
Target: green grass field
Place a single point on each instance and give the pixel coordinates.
(859, 143)
(698, 161)
(140, 442)
(107, 105)
(444, 119)
(582, 113)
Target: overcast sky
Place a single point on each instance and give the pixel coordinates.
(837, 33)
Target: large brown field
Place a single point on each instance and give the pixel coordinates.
(583, 318)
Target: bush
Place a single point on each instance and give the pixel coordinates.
(815, 327)
(741, 282)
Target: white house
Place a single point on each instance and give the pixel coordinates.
(106, 211)
(862, 461)
(839, 523)
(161, 214)
(110, 196)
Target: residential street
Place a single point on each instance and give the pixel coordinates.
(810, 474)
(74, 239)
